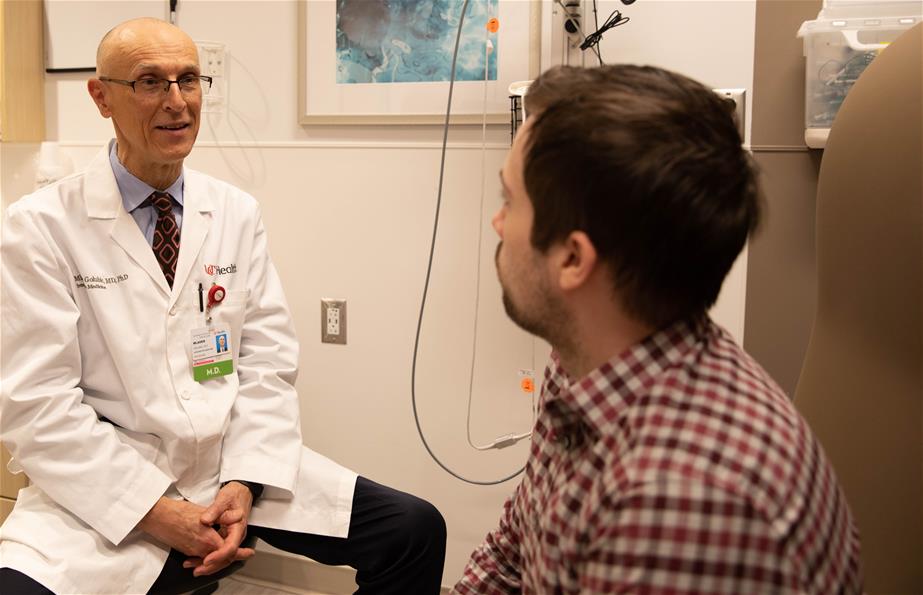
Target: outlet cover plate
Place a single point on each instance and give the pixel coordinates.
(739, 97)
(326, 305)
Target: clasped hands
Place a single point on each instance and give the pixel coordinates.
(190, 528)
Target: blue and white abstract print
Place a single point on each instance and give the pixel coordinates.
(411, 41)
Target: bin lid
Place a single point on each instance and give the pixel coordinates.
(844, 9)
(853, 26)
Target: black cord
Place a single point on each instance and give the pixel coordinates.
(429, 268)
(599, 55)
(592, 40)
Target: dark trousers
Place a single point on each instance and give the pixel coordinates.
(396, 543)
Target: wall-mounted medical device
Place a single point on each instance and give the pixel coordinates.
(575, 18)
(213, 63)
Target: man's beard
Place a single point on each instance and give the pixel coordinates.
(538, 323)
(527, 324)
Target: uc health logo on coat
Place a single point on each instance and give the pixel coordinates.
(213, 270)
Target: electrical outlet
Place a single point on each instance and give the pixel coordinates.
(333, 321)
(739, 97)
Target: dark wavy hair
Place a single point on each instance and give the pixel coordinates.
(650, 165)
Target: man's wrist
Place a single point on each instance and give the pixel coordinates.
(150, 517)
(256, 489)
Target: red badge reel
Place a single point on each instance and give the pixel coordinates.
(216, 295)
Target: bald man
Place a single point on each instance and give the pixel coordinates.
(152, 454)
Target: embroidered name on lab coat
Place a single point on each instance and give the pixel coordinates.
(99, 281)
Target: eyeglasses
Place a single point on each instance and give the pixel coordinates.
(151, 87)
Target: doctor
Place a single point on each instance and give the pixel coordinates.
(150, 459)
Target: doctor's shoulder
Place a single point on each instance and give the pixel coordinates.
(224, 193)
(53, 200)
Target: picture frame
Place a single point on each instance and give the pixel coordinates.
(325, 101)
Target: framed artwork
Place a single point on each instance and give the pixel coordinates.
(389, 61)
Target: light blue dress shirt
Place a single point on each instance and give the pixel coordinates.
(134, 192)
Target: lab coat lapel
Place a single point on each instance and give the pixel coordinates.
(127, 234)
(104, 202)
(197, 207)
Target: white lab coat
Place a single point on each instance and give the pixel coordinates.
(90, 330)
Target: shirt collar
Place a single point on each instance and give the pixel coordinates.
(600, 398)
(133, 190)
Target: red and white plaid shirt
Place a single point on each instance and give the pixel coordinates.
(676, 467)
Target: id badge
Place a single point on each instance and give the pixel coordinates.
(212, 356)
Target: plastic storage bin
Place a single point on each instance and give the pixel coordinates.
(838, 46)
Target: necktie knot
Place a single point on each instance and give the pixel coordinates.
(163, 202)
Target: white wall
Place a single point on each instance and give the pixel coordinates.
(349, 212)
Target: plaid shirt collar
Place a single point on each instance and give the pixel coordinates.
(598, 400)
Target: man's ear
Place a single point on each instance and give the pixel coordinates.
(576, 258)
(97, 91)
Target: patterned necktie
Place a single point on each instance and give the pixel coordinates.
(166, 235)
